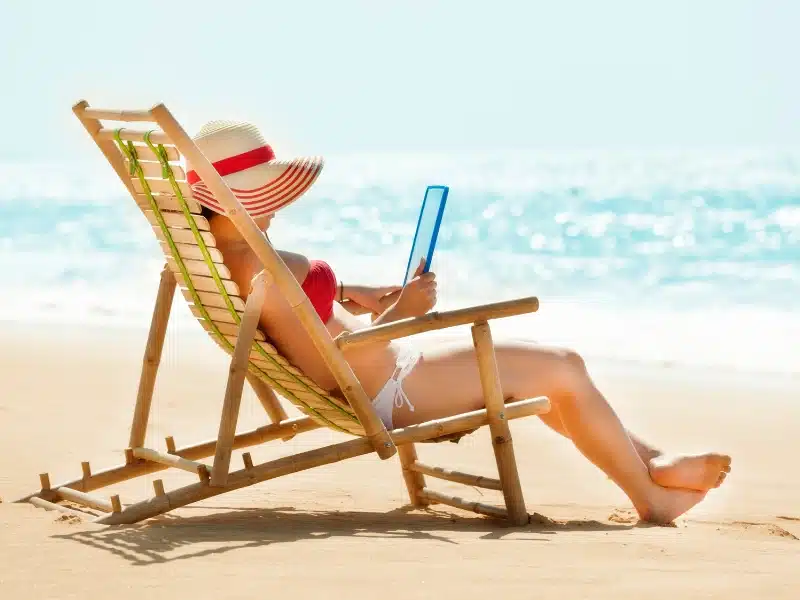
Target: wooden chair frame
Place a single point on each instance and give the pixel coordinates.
(217, 477)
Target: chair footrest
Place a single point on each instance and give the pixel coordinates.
(172, 460)
(88, 500)
(476, 507)
(47, 505)
(488, 483)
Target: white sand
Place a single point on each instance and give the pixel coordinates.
(344, 530)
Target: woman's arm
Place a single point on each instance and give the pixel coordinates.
(367, 298)
(393, 303)
(390, 313)
(384, 302)
(371, 298)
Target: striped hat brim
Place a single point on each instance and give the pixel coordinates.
(265, 188)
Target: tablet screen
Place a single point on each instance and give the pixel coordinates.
(427, 229)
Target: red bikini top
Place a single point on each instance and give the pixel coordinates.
(320, 287)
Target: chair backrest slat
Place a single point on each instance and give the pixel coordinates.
(213, 299)
(198, 267)
(167, 202)
(207, 284)
(229, 329)
(184, 236)
(193, 251)
(176, 220)
(218, 315)
(145, 154)
(153, 169)
(161, 186)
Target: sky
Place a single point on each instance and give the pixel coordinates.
(350, 76)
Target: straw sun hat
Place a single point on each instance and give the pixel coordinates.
(248, 165)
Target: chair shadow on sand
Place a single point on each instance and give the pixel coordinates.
(169, 538)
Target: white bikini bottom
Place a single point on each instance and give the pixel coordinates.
(392, 393)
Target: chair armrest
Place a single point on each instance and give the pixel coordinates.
(437, 320)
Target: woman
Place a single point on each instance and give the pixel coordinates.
(415, 386)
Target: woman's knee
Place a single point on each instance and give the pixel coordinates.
(573, 360)
(534, 369)
(568, 373)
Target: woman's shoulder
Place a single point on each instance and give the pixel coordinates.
(298, 264)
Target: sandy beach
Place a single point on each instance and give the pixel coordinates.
(346, 529)
(635, 166)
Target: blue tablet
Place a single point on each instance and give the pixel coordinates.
(430, 217)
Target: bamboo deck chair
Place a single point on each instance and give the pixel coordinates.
(148, 165)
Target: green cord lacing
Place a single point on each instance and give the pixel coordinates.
(166, 171)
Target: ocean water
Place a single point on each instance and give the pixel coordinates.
(680, 257)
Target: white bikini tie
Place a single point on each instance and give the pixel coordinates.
(392, 394)
(399, 374)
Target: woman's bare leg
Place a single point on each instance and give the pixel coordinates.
(688, 471)
(447, 382)
(645, 451)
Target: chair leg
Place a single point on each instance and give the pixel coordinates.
(152, 357)
(236, 377)
(269, 401)
(498, 424)
(415, 482)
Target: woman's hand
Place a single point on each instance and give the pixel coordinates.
(370, 296)
(418, 296)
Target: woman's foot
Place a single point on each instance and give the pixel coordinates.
(700, 472)
(667, 504)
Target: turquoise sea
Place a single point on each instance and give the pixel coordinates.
(673, 256)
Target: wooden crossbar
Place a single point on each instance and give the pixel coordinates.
(171, 460)
(488, 483)
(437, 320)
(85, 499)
(47, 505)
(133, 135)
(477, 507)
(118, 115)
